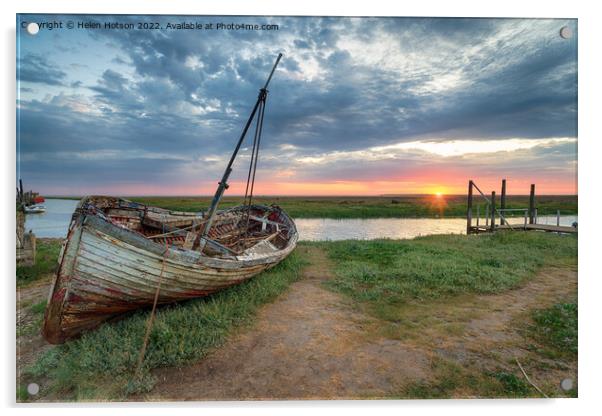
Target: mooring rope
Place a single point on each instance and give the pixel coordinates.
(151, 318)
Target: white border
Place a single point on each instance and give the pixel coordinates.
(589, 199)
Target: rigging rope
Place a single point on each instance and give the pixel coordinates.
(248, 201)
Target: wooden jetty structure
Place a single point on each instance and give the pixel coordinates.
(26, 243)
(493, 212)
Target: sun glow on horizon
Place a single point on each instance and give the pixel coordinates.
(436, 188)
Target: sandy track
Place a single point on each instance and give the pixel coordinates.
(312, 344)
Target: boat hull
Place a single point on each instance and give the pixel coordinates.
(106, 270)
(35, 209)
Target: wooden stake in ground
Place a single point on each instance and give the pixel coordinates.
(151, 318)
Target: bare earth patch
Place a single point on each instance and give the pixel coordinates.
(314, 344)
(309, 344)
(486, 333)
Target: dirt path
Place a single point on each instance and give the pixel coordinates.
(312, 344)
(308, 344)
(487, 322)
(30, 343)
(487, 333)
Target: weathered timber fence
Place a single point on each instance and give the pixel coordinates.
(492, 211)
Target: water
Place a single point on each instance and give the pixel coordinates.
(369, 229)
(55, 221)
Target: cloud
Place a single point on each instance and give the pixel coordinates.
(37, 69)
(379, 92)
(442, 148)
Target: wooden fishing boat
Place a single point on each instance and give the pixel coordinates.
(115, 254)
(121, 255)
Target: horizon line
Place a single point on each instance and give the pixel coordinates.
(290, 196)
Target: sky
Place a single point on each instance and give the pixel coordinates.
(357, 106)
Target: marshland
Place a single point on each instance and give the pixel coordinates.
(342, 207)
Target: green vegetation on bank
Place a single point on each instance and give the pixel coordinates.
(47, 252)
(386, 274)
(100, 364)
(406, 206)
(420, 206)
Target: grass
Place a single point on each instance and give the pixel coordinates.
(453, 380)
(22, 394)
(47, 252)
(407, 206)
(32, 327)
(408, 284)
(382, 275)
(386, 274)
(556, 329)
(38, 308)
(100, 364)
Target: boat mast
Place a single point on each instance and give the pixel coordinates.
(223, 184)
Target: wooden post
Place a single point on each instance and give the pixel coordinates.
(492, 210)
(503, 202)
(557, 218)
(478, 214)
(469, 209)
(487, 212)
(532, 205)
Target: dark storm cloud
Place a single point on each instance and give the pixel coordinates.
(507, 101)
(36, 68)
